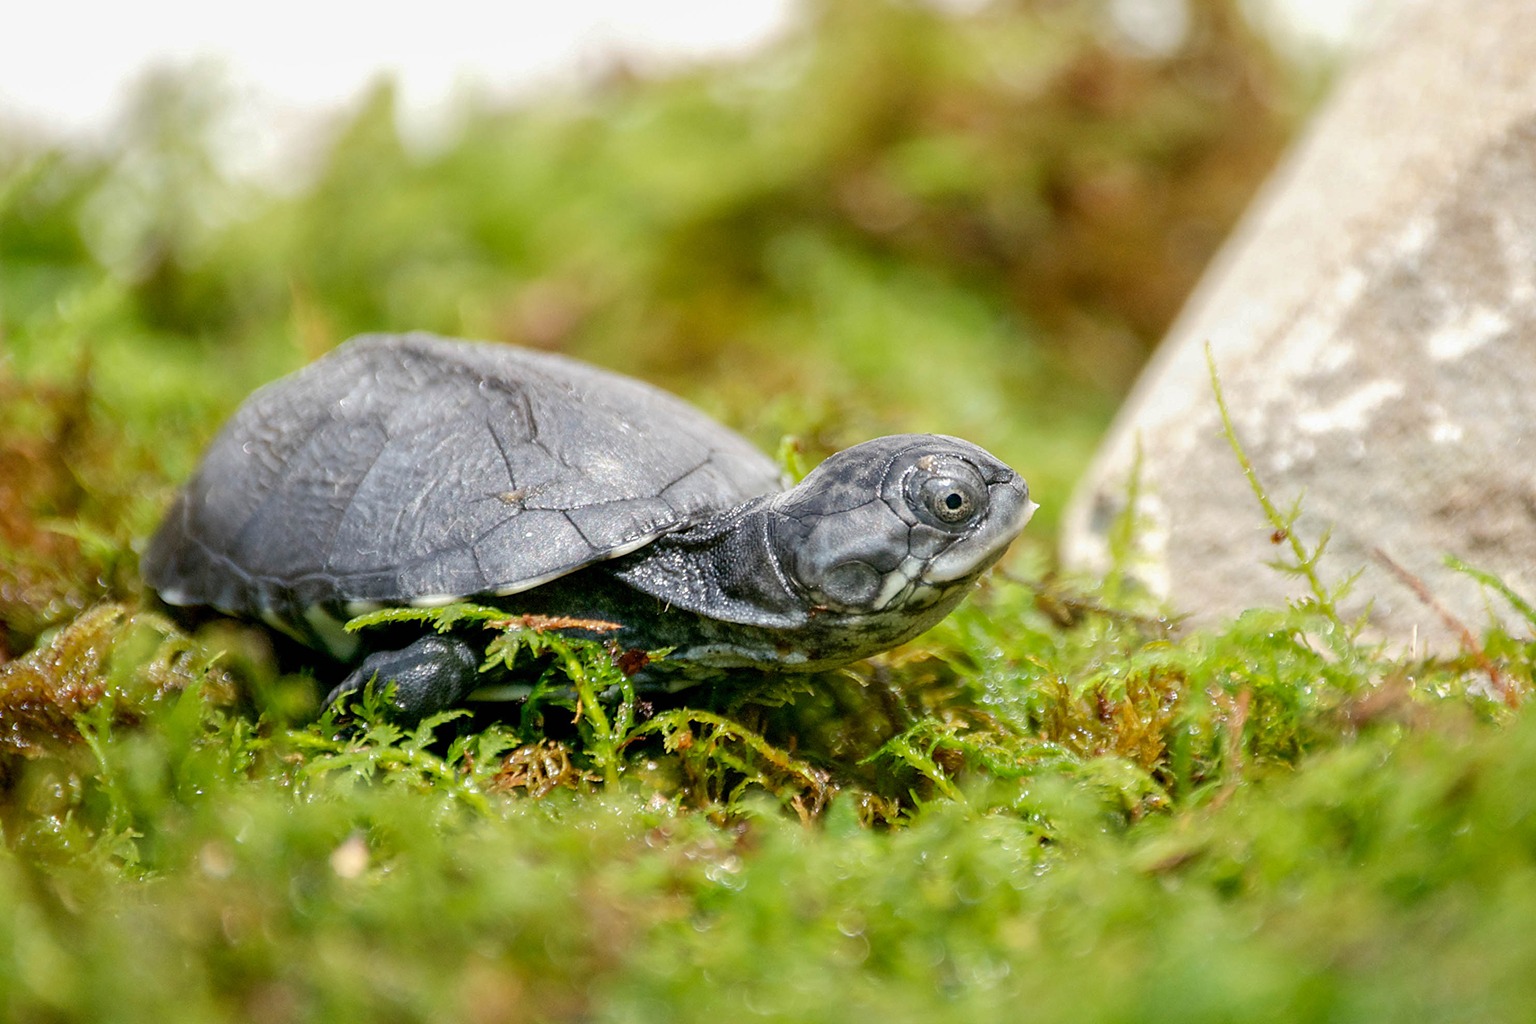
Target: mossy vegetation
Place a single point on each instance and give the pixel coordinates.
(1054, 806)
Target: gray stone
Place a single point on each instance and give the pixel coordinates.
(1373, 321)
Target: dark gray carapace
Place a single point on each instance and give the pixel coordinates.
(418, 470)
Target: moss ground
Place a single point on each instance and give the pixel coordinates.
(1054, 806)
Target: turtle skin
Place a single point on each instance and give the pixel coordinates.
(418, 470)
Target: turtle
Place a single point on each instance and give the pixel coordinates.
(418, 470)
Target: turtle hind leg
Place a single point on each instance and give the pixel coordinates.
(431, 675)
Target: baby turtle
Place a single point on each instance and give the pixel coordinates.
(419, 470)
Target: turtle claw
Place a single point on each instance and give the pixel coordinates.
(431, 675)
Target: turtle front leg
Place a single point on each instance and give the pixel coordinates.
(431, 675)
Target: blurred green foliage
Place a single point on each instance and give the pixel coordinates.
(1096, 822)
(901, 217)
(895, 218)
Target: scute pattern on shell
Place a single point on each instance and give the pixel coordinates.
(407, 467)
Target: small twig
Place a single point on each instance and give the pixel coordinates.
(1235, 725)
(1237, 721)
(550, 623)
(1501, 685)
(1076, 606)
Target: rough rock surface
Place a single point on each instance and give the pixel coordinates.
(1374, 325)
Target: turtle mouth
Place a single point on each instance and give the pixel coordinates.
(1011, 510)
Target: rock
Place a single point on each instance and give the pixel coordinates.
(1373, 321)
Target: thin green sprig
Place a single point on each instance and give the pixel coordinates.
(743, 753)
(1489, 580)
(583, 665)
(1304, 562)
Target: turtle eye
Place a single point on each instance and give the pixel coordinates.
(951, 500)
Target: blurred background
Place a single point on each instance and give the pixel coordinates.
(822, 220)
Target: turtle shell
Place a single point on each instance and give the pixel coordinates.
(413, 469)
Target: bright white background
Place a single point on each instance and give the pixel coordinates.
(66, 65)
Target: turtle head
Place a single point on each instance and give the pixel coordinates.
(900, 525)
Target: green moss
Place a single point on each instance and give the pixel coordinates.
(1053, 806)
(107, 660)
